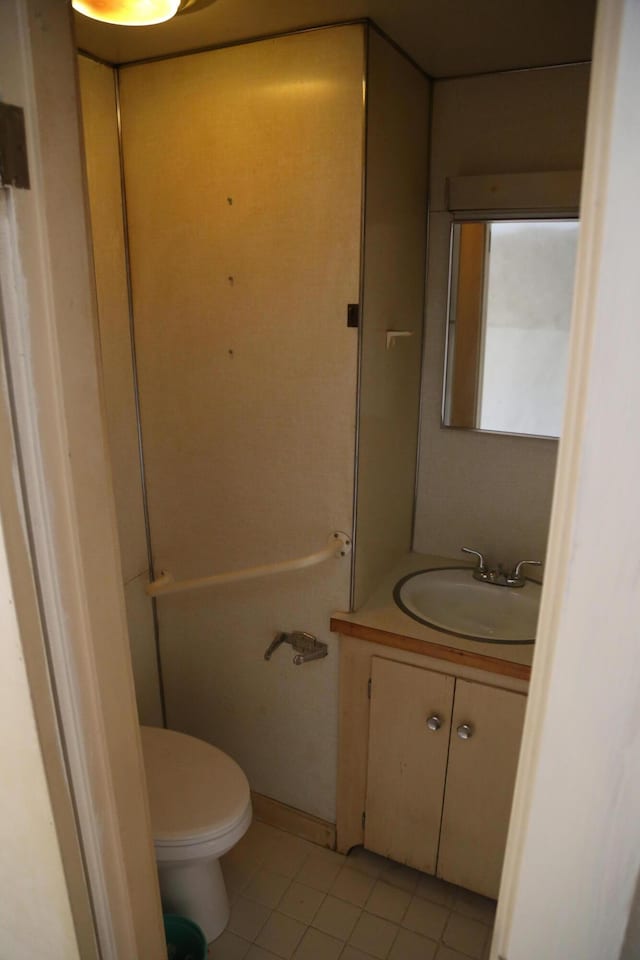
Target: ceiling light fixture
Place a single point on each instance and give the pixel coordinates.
(136, 13)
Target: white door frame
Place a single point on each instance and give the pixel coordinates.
(573, 852)
(574, 845)
(50, 336)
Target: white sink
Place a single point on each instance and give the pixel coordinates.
(449, 599)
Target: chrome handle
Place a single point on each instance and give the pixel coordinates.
(482, 566)
(465, 731)
(434, 723)
(308, 655)
(525, 563)
(275, 643)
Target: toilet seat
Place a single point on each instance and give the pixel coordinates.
(199, 797)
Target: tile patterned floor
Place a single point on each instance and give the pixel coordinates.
(292, 900)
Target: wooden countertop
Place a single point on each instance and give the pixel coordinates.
(381, 621)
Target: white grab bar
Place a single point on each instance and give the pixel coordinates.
(339, 545)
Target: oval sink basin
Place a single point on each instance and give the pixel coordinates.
(450, 600)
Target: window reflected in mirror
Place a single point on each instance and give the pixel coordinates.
(510, 298)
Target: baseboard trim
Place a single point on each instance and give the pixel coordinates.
(291, 820)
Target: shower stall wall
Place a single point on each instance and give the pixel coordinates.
(244, 177)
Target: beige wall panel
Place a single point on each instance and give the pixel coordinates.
(395, 238)
(97, 89)
(480, 778)
(243, 174)
(143, 651)
(488, 492)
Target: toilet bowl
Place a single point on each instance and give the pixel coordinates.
(200, 807)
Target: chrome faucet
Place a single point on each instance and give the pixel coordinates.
(516, 578)
(498, 575)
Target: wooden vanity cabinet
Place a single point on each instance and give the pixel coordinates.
(441, 760)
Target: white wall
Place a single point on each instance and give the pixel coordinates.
(97, 89)
(35, 901)
(488, 492)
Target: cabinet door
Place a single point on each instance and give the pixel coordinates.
(407, 761)
(479, 790)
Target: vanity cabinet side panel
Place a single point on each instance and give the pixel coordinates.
(353, 738)
(479, 790)
(407, 762)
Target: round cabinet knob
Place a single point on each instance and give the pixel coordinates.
(434, 723)
(465, 731)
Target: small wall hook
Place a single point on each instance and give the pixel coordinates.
(392, 336)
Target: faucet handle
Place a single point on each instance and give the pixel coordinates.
(482, 566)
(275, 643)
(517, 575)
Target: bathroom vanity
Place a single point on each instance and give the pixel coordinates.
(430, 729)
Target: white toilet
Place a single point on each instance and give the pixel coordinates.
(200, 807)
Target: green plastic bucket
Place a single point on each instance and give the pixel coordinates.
(185, 939)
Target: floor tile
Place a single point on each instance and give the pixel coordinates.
(266, 887)
(353, 886)
(336, 917)
(445, 953)
(426, 918)
(248, 918)
(249, 853)
(320, 870)
(466, 935)
(436, 890)
(318, 946)
(350, 953)
(398, 875)
(293, 900)
(388, 902)
(257, 953)
(374, 935)
(228, 946)
(366, 862)
(289, 853)
(242, 851)
(237, 874)
(301, 902)
(281, 935)
(257, 841)
(411, 946)
(474, 906)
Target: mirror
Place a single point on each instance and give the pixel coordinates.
(510, 296)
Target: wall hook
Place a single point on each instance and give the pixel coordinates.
(392, 336)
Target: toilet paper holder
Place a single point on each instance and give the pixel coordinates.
(307, 646)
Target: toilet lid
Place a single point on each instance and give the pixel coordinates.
(196, 792)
